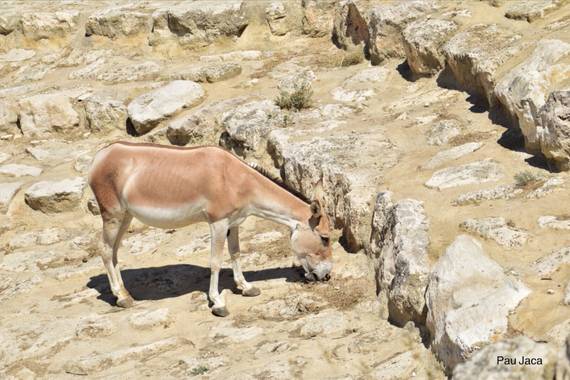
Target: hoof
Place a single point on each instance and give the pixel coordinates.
(125, 302)
(251, 292)
(220, 311)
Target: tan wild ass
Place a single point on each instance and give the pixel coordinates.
(172, 187)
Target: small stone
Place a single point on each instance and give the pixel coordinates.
(94, 326)
(149, 319)
(55, 196)
(468, 174)
(17, 170)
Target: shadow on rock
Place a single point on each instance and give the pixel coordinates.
(169, 281)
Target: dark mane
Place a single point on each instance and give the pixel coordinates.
(264, 172)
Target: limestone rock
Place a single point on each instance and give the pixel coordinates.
(147, 110)
(55, 196)
(200, 22)
(46, 113)
(350, 29)
(400, 241)
(117, 22)
(423, 40)
(531, 10)
(211, 73)
(276, 17)
(497, 229)
(386, 22)
(7, 192)
(451, 154)
(8, 118)
(554, 222)
(326, 323)
(4, 157)
(106, 70)
(18, 170)
(567, 295)
(235, 334)
(94, 326)
(401, 366)
(104, 114)
(469, 299)
(550, 263)
(187, 129)
(475, 172)
(524, 90)
(149, 319)
(484, 364)
(41, 25)
(499, 192)
(555, 116)
(317, 17)
(17, 55)
(9, 22)
(443, 131)
(248, 125)
(475, 55)
(563, 366)
(97, 362)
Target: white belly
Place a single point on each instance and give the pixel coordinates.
(174, 217)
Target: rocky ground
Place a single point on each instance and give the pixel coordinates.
(439, 131)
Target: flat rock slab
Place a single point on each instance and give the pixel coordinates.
(497, 229)
(468, 174)
(235, 334)
(326, 323)
(443, 131)
(18, 170)
(147, 110)
(7, 192)
(55, 196)
(451, 154)
(94, 326)
(554, 222)
(149, 319)
(98, 362)
(469, 299)
(531, 10)
(550, 263)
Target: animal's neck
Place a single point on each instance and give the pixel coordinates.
(277, 204)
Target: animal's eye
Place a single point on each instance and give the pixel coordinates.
(325, 240)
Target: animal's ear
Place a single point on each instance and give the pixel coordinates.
(316, 209)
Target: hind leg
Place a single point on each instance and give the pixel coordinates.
(114, 227)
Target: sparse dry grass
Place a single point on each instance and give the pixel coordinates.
(297, 100)
(528, 180)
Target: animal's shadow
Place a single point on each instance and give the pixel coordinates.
(169, 281)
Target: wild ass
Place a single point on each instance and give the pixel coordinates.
(172, 187)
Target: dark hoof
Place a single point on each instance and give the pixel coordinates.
(220, 311)
(251, 292)
(125, 302)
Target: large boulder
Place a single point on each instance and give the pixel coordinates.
(276, 17)
(147, 110)
(386, 22)
(501, 361)
(476, 54)
(55, 196)
(350, 29)
(469, 299)
(41, 25)
(423, 40)
(117, 22)
(399, 242)
(523, 91)
(555, 123)
(104, 114)
(43, 114)
(9, 22)
(246, 126)
(317, 17)
(200, 22)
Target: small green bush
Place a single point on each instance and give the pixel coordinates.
(200, 370)
(297, 100)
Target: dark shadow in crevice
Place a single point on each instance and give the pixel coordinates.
(170, 281)
(406, 72)
(131, 128)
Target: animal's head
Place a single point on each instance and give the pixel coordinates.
(311, 243)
